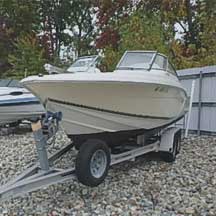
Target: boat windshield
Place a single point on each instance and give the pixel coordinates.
(10, 83)
(145, 60)
(160, 62)
(82, 64)
(136, 60)
(4, 82)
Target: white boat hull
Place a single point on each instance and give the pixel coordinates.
(18, 104)
(10, 114)
(78, 121)
(94, 107)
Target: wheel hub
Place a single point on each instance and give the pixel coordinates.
(98, 163)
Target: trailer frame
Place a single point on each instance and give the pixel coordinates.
(43, 173)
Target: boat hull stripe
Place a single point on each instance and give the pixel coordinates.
(105, 110)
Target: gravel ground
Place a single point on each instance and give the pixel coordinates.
(147, 186)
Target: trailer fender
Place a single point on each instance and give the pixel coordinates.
(167, 139)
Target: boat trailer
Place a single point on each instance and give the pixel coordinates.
(43, 174)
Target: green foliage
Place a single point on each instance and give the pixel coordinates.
(28, 58)
(82, 25)
(202, 53)
(107, 26)
(68, 23)
(53, 16)
(111, 59)
(20, 16)
(138, 32)
(17, 18)
(142, 32)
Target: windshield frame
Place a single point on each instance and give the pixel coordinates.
(118, 67)
(175, 72)
(155, 54)
(166, 59)
(95, 59)
(167, 65)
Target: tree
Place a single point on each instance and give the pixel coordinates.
(53, 15)
(207, 19)
(20, 16)
(68, 23)
(17, 18)
(110, 15)
(83, 25)
(197, 47)
(110, 27)
(137, 32)
(56, 24)
(28, 58)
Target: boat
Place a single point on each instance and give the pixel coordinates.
(82, 64)
(17, 103)
(143, 94)
(85, 64)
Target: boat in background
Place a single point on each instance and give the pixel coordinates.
(142, 94)
(82, 64)
(17, 103)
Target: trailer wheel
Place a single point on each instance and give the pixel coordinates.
(92, 162)
(78, 142)
(171, 156)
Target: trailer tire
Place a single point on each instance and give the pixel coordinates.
(78, 142)
(171, 156)
(92, 162)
